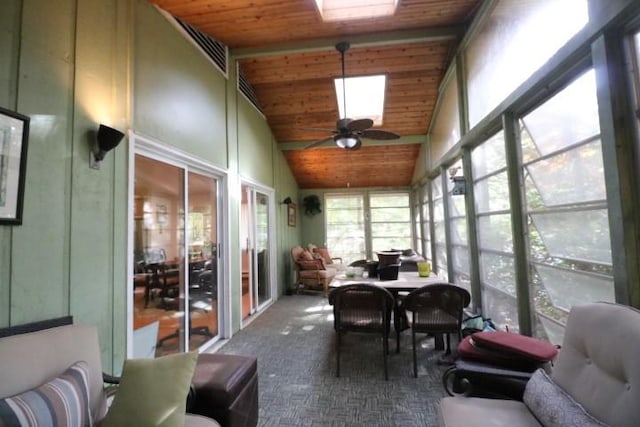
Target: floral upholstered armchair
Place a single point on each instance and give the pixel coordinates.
(329, 261)
(311, 272)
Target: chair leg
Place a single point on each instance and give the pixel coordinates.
(338, 354)
(396, 325)
(415, 358)
(448, 344)
(385, 350)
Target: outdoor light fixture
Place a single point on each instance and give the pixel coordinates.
(107, 139)
(287, 201)
(348, 142)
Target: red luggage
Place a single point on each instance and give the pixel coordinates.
(496, 364)
(506, 349)
(516, 345)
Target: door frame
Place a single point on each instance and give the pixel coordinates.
(154, 149)
(270, 193)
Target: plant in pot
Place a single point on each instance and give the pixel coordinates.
(311, 205)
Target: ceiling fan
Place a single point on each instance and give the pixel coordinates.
(349, 131)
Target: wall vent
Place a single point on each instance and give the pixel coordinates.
(246, 89)
(216, 51)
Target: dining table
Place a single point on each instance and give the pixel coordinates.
(406, 282)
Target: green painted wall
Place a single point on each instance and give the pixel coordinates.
(178, 95)
(98, 203)
(312, 226)
(288, 236)
(9, 49)
(70, 65)
(255, 144)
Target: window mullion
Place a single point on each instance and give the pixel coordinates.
(513, 152)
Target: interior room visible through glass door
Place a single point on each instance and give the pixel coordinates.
(175, 240)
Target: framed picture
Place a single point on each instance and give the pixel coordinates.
(14, 136)
(291, 214)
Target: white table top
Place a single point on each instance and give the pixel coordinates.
(407, 280)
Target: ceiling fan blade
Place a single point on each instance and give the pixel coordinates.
(319, 142)
(359, 125)
(379, 134)
(319, 129)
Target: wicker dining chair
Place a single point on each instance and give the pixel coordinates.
(362, 307)
(436, 309)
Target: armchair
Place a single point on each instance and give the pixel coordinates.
(595, 380)
(310, 271)
(327, 258)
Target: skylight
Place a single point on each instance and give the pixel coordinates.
(365, 97)
(344, 10)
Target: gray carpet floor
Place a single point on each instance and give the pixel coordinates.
(295, 344)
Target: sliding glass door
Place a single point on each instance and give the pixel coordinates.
(256, 241)
(175, 256)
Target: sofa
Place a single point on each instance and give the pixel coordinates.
(68, 357)
(595, 380)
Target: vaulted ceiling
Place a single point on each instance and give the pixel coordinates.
(288, 55)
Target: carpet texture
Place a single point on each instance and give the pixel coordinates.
(294, 342)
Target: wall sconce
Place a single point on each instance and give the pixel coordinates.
(107, 139)
(287, 201)
(459, 183)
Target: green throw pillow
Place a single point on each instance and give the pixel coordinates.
(153, 392)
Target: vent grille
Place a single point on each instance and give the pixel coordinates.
(247, 90)
(215, 50)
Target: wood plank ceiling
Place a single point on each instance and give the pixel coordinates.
(287, 54)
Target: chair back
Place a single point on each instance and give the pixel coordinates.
(598, 362)
(361, 307)
(437, 307)
(296, 251)
(298, 254)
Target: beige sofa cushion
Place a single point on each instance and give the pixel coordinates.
(30, 360)
(480, 412)
(599, 362)
(200, 421)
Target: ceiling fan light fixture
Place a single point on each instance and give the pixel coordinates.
(346, 141)
(349, 130)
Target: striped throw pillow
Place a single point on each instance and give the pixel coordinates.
(63, 401)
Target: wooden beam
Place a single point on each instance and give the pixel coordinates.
(366, 40)
(404, 140)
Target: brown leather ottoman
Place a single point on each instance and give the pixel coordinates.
(226, 389)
